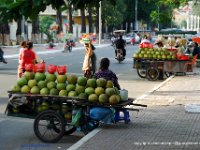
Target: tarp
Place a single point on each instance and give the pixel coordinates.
(176, 31)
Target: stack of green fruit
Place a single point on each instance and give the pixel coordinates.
(155, 53)
(94, 90)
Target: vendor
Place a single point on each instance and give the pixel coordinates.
(104, 72)
(159, 43)
(196, 50)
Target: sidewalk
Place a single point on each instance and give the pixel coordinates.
(163, 125)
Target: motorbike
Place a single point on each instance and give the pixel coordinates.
(68, 46)
(120, 56)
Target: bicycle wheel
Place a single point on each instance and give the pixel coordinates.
(141, 73)
(152, 74)
(49, 126)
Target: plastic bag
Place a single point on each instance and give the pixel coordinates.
(52, 69)
(106, 115)
(76, 117)
(41, 67)
(61, 69)
(29, 67)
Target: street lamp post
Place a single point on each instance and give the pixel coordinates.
(100, 25)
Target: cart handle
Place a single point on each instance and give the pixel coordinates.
(138, 105)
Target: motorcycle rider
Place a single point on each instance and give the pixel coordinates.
(120, 44)
(68, 46)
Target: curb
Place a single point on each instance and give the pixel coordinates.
(95, 131)
(55, 51)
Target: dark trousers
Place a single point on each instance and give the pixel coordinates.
(93, 63)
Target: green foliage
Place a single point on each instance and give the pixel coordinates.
(45, 24)
(195, 9)
(113, 15)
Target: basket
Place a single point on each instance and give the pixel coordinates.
(29, 67)
(41, 67)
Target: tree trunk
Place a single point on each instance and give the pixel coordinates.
(124, 25)
(70, 20)
(19, 32)
(97, 19)
(128, 26)
(35, 31)
(59, 21)
(5, 34)
(90, 19)
(83, 25)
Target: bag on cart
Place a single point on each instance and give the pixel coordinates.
(106, 115)
(76, 116)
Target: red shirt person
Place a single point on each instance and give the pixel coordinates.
(28, 56)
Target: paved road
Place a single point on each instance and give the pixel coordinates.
(12, 129)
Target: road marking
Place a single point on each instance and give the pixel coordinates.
(154, 89)
(94, 132)
(84, 139)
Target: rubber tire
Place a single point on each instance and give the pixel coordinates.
(52, 114)
(141, 75)
(152, 77)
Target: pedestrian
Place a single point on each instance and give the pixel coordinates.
(196, 50)
(87, 69)
(93, 58)
(22, 48)
(28, 56)
(105, 72)
(2, 56)
(145, 39)
(159, 43)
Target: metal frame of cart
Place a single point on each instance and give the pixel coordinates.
(50, 125)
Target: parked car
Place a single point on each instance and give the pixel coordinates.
(127, 38)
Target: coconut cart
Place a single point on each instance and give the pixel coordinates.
(56, 116)
(154, 69)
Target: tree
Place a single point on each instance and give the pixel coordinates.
(195, 8)
(59, 21)
(45, 24)
(113, 15)
(90, 22)
(4, 33)
(35, 30)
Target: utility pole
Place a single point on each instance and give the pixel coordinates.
(100, 25)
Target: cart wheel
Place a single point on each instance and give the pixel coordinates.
(69, 129)
(49, 126)
(141, 73)
(152, 74)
